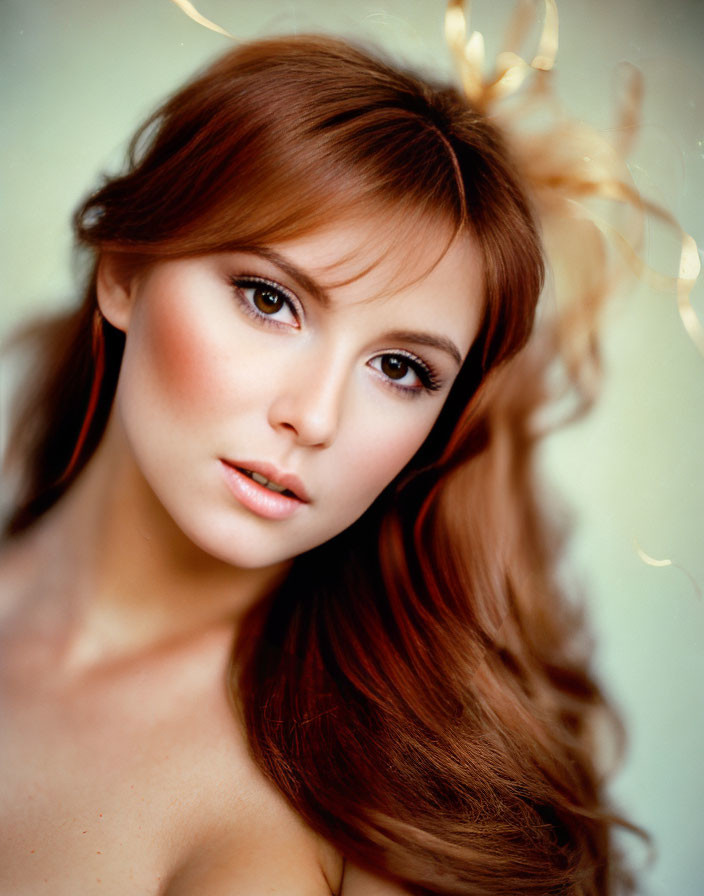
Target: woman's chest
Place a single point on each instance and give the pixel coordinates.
(138, 788)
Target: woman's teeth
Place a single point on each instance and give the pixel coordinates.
(262, 480)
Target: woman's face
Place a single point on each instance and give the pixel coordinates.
(267, 399)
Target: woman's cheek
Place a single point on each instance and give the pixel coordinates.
(186, 361)
(386, 449)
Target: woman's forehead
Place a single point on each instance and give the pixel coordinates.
(383, 254)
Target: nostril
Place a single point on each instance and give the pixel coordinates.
(308, 413)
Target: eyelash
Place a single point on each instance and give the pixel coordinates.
(429, 380)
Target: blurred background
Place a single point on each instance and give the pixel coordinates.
(77, 76)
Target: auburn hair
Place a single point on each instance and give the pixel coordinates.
(419, 687)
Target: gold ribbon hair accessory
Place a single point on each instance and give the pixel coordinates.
(511, 69)
(571, 170)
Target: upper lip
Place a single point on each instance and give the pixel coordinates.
(289, 480)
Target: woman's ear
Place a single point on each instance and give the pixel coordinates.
(115, 286)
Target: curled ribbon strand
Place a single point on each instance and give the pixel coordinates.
(651, 561)
(647, 559)
(193, 13)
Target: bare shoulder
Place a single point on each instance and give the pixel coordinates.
(358, 882)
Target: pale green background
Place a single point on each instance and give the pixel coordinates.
(77, 76)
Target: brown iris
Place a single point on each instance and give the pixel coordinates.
(268, 301)
(394, 367)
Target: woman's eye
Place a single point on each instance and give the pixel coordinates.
(406, 373)
(394, 367)
(266, 301)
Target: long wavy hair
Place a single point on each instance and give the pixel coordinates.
(419, 687)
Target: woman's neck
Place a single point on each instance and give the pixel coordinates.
(111, 575)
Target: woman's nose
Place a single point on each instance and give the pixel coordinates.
(309, 404)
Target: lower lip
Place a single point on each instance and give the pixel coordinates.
(258, 498)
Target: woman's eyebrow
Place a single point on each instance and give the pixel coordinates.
(444, 343)
(305, 281)
(313, 288)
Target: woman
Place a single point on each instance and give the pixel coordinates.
(278, 608)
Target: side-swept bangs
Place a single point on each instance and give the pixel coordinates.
(272, 142)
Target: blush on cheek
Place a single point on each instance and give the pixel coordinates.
(183, 360)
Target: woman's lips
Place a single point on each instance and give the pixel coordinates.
(263, 501)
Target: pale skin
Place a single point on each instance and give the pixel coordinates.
(129, 771)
